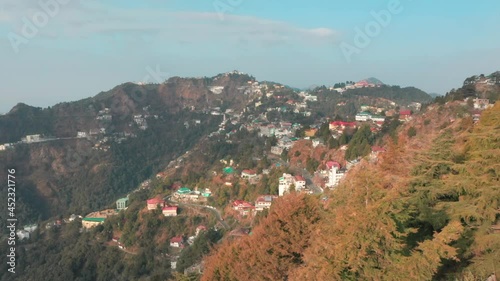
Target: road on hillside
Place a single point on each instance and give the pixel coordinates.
(217, 213)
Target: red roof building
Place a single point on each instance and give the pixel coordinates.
(177, 242)
(246, 174)
(170, 211)
(299, 178)
(240, 204)
(243, 207)
(405, 115)
(331, 164)
(335, 125)
(154, 203)
(200, 228)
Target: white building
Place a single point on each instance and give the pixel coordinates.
(30, 228)
(481, 103)
(33, 138)
(264, 202)
(335, 174)
(299, 182)
(363, 116)
(23, 234)
(376, 118)
(81, 134)
(284, 184)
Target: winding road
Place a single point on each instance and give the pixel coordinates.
(217, 213)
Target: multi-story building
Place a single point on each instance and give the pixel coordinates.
(264, 202)
(335, 174)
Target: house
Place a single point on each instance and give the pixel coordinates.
(243, 207)
(340, 125)
(264, 202)
(81, 134)
(206, 193)
(311, 132)
(377, 118)
(170, 211)
(177, 242)
(317, 142)
(72, 217)
(248, 174)
(122, 203)
(481, 103)
(30, 227)
(363, 116)
(92, 222)
(154, 203)
(200, 228)
(33, 138)
(23, 234)
(405, 115)
(299, 182)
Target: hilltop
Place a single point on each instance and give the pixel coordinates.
(220, 150)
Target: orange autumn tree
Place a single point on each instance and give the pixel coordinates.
(275, 246)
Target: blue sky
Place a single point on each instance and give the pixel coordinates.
(90, 46)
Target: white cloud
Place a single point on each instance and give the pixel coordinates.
(90, 18)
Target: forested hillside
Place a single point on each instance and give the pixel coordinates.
(425, 211)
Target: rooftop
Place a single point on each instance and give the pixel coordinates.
(94, 219)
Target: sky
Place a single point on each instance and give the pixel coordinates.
(55, 51)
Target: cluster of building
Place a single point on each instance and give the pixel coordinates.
(25, 233)
(481, 104)
(367, 116)
(167, 211)
(185, 194)
(6, 146)
(340, 126)
(104, 115)
(140, 120)
(481, 79)
(286, 182)
(245, 208)
(357, 85)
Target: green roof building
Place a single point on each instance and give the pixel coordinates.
(184, 190)
(122, 203)
(94, 219)
(228, 170)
